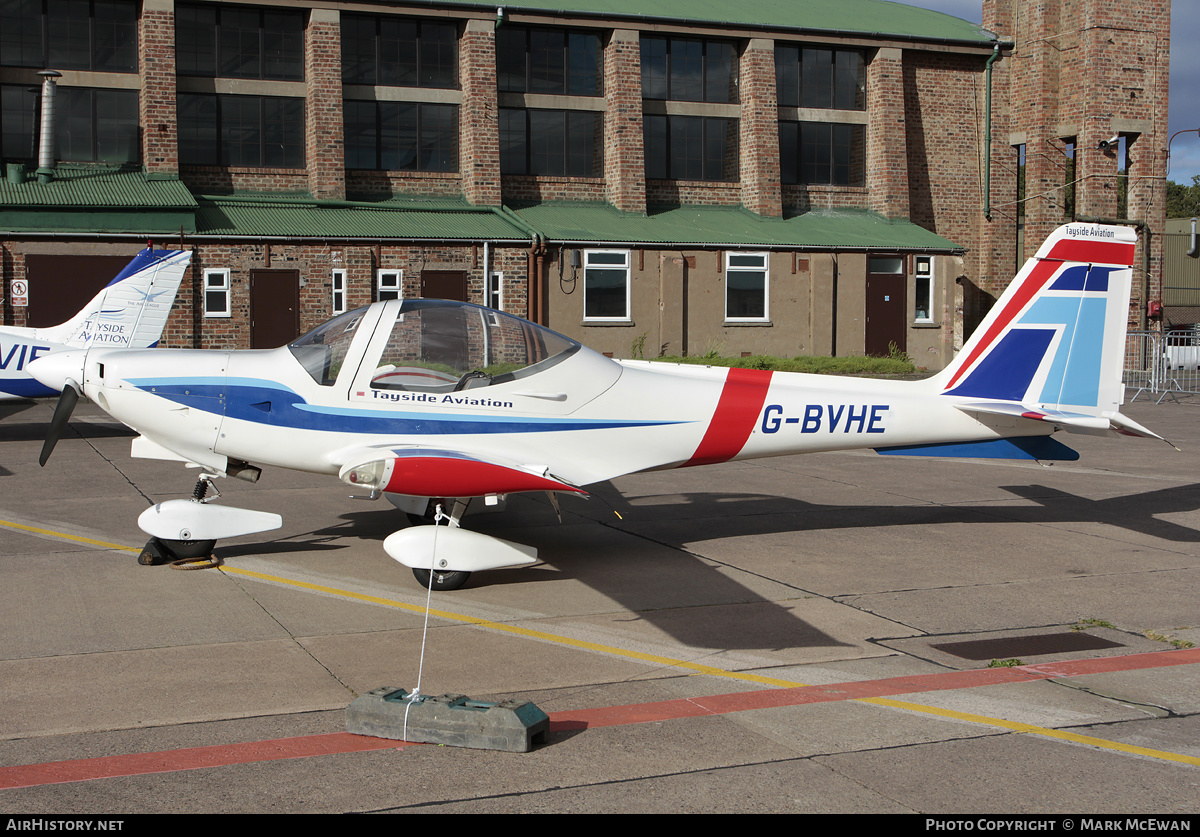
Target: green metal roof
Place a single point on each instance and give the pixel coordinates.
(840, 229)
(77, 185)
(303, 217)
(97, 199)
(878, 18)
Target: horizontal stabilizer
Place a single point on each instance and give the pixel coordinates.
(1069, 421)
(1017, 447)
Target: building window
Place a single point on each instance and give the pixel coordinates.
(253, 131)
(1069, 170)
(91, 125)
(688, 70)
(389, 284)
(1124, 161)
(555, 61)
(690, 148)
(606, 285)
(399, 136)
(337, 286)
(822, 153)
(494, 297)
(1020, 239)
(217, 293)
(820, 78)
(98, 35)
(746, 298)
(558, 143)
(239, 42)
(397, 52)
(923, 296)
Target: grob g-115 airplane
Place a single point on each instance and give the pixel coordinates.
(128, 313)
(422, 399)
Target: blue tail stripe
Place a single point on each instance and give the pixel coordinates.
(1007, 370)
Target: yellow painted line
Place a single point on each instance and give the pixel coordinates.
(1013, 726)
(64, 536)
(1017, 726)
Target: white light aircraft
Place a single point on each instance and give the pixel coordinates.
(128, 313)
(420, 399)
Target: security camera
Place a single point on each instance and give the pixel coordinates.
(1109, 143)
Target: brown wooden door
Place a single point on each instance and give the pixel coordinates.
(59, 286)
(444, 284)
(887, 313)
(274, 308)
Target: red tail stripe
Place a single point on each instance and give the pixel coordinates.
(1041, 273)
(741, 401)
(1093, 252)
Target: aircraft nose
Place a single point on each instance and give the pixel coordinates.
(55, 369)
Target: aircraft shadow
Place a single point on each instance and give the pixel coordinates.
(21, 431)
(699, 604)
(661, 586)
(716, 515)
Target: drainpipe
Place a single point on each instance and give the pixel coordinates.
(45, 172)
(987, 133)
(1194, 249)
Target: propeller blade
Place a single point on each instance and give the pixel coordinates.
(62, 415)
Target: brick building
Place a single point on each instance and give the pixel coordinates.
(804, 177)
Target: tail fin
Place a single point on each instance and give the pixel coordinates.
(131, 311)
(1055, 341)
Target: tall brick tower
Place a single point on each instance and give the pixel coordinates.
(1079, 127)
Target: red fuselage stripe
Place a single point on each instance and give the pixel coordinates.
(439, 476)
(737, 412)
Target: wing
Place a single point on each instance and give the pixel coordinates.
(442, 472)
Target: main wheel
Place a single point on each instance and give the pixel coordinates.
(442, 580)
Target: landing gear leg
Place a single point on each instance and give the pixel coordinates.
(444, 579)
(183, 554)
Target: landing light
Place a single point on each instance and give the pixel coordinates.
(367, 475)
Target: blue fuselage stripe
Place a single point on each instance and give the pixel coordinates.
(262, 402)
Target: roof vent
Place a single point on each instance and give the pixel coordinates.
(45, 171)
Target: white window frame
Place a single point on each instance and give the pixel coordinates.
(626, 266)
(222, 286)
(495, 291)
(389, 281)
(764, 269)
(923, 275)
(337, 291)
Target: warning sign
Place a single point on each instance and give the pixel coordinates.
(18, 293)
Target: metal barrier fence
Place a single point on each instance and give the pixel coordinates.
(1163, 364)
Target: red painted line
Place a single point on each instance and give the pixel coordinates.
(857, 690)
(170, 761)
(737, 411)
(194, 758)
